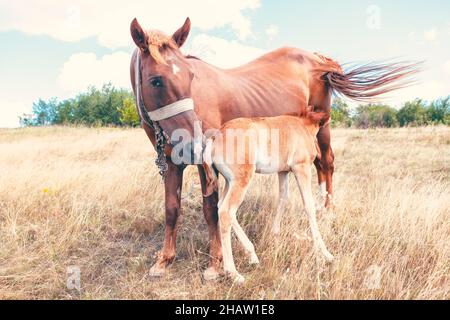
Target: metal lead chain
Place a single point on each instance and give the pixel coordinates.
(160, 161)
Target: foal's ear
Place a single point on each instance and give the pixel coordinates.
(181, 34)
(138, 35)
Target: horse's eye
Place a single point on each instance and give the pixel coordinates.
(156, 82)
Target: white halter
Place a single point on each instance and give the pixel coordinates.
(162, 113)
(172, 109)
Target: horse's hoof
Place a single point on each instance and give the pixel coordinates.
(253, 259)
(211, 274)
(156, 271)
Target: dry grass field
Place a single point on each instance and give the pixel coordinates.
(91, 198)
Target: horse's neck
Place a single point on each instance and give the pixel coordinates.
(213, 84)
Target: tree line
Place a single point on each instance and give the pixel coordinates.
(110, 106)
(412, 113)
(107, 106)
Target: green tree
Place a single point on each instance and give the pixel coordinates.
(340, 114)
(413, 113)
(439, 111)
(44, 112)
(128, 113)
(64, 112)
(375, 115)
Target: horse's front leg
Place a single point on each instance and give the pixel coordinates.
(172, 186)
(212, 219)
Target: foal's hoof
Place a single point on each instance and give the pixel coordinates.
(156, 271)
(211, 274)
(253, 259)
(235, 276)
(238, 279)
(276, 230)
(329, 258)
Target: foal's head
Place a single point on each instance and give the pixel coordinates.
(166, 78)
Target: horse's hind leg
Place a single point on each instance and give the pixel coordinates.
(322, 182)
(321, 99)
(283, 196)
(303, 176)
(326, 164)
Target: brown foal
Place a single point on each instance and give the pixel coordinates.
(277, 83)
(244, 147)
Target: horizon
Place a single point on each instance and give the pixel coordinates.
(47, 54)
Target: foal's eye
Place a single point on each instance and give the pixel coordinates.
(156, 82)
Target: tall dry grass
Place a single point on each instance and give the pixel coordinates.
(92, 198)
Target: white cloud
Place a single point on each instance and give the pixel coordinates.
(412, 35)
(11, 108)
(447, 67)
(431, 35)
(221, 52)
(109, 20)
(84, 69)
(272, 30)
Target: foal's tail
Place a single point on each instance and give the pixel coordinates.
(318, 118)
(365, 82)
(212, 183)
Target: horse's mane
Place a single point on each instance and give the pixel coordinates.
(158, 40)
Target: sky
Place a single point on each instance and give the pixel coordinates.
(57, 48)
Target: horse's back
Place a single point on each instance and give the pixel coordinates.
(282, 56)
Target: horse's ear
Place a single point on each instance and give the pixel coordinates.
(181, 34)
(138, 35)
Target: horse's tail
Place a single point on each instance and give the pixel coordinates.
(365, 82)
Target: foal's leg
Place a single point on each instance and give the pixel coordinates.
(222, 195)
(326, 162)
(240, 233)
(227, 217)
(283, 195)
(172, 188)
(212, 219)
(245, 241)
(303, 176)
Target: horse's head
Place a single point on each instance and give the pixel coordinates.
(165, 84)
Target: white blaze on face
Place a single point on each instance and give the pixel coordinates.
(175, 69)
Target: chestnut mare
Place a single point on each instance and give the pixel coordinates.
(186, 89)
